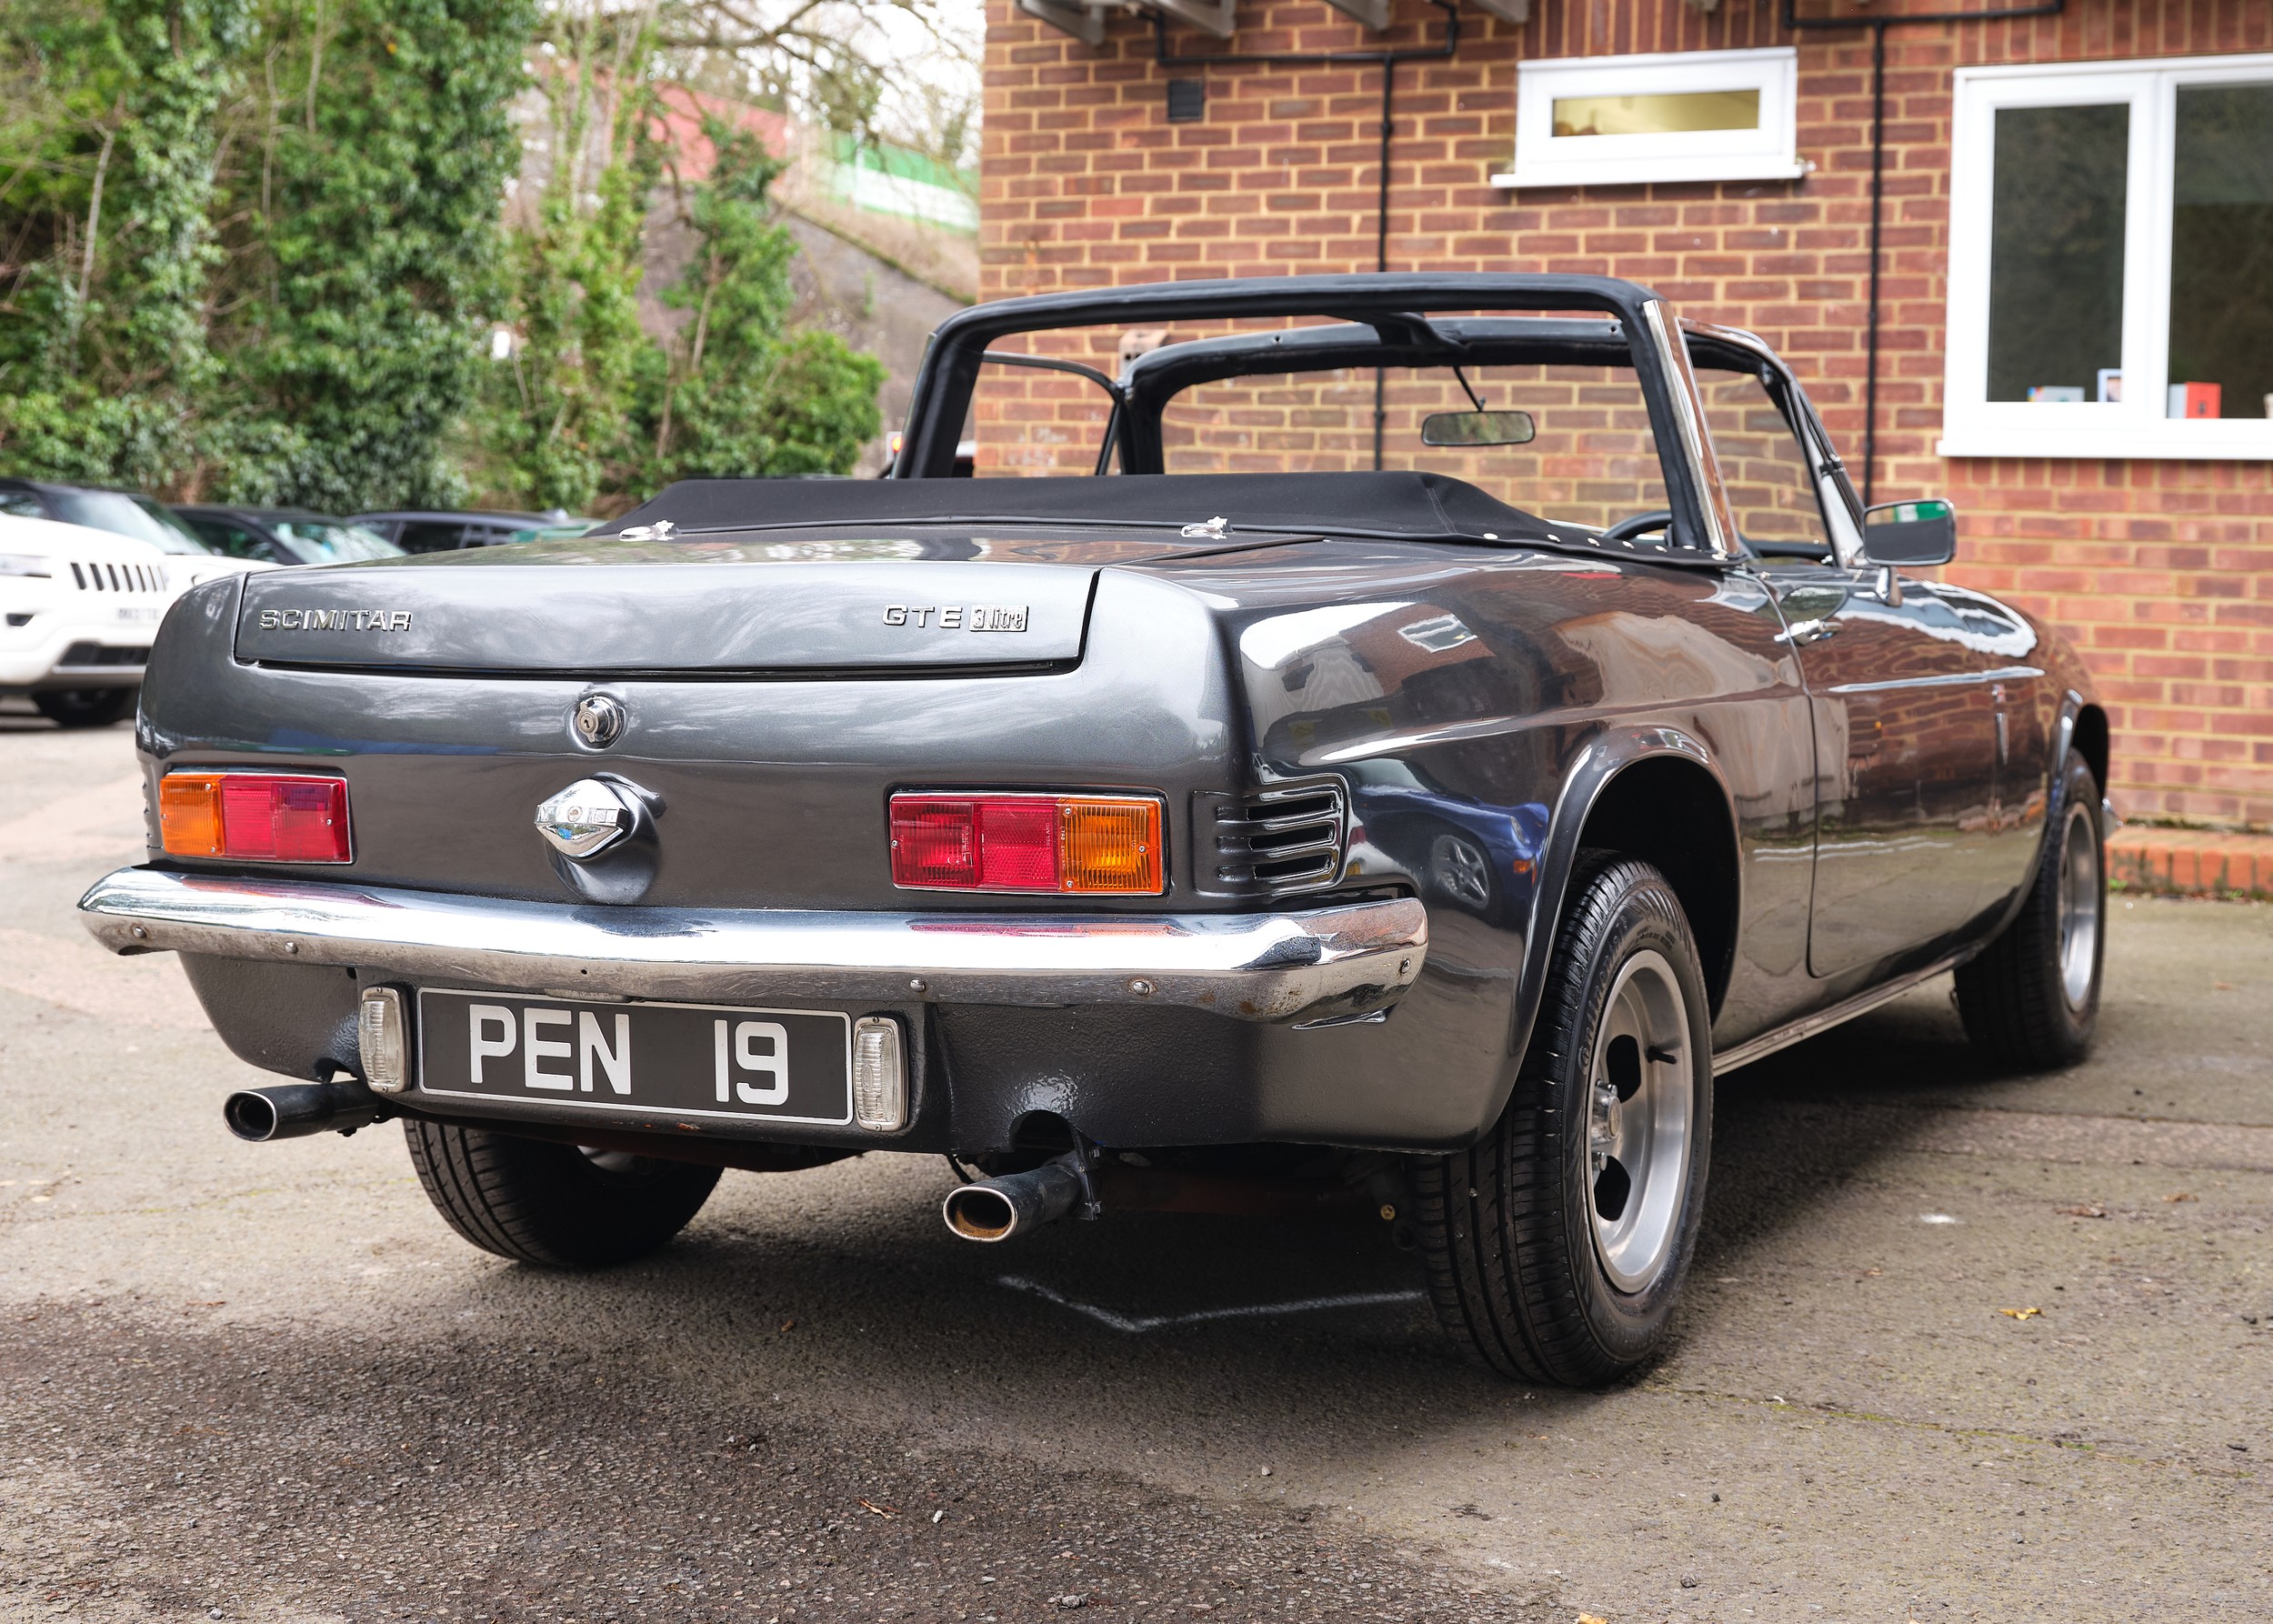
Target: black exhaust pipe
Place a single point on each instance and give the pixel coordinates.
(293, 1109)
(997, 1208)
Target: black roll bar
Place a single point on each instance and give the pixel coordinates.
(949, 372)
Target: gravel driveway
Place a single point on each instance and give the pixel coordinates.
(1960, 1345)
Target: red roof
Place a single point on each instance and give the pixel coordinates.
(681, 127)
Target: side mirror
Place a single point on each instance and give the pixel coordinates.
(1912, 532)
(1477, 428)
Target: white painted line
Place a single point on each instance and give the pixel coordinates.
(1137, 1325)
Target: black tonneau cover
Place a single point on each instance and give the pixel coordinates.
(1404, 504)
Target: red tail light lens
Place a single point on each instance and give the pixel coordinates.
(1089, 844)
(1017, 845)
(933, 842)
(267, 818)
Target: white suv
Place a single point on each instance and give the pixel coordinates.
(78, 608)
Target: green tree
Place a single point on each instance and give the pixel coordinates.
(254, 249)
(591, 413)
(558, 429)
(740, 396)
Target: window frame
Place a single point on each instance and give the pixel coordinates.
(2135, 428)
(1770, 152)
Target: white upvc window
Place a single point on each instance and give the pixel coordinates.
(2112, 260)
(1680, 116)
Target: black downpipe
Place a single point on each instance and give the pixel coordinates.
(1387, 62)
(1879, 27)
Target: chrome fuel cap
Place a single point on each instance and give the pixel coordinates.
(585, 818)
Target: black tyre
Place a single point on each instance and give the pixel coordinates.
(85, 707)
(2031, 998)
(1557, 1246)
(554, 1205)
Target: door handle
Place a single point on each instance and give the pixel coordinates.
(1803, 632)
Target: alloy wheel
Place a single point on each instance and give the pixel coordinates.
(2082, 898)
(1639, 1118)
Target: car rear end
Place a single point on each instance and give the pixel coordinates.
(798, 843)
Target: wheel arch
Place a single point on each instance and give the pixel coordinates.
(2088, 736)
(2082, 728)
(1654, 793)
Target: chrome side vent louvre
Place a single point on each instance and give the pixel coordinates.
(1270, 843)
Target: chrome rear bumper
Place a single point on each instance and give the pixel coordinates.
(1315, 964)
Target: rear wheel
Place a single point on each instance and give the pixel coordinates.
(554, 1205)
(1557, 1246)
(85, 707)
(2031, 998)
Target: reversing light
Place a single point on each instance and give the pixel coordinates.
(267, 818)
(383, 1041)
(879, 1074)
(1087, 845)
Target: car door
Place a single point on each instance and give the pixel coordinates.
(2023, 707)
(1904, 720)
(1906, 749)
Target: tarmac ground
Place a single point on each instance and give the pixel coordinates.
(1960, 1345)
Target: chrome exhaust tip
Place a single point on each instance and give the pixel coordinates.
(293, 1110)
(997, 1208)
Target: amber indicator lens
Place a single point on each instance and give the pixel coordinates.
(1091, 845)
(189, 815)
(269, 817)
(1109, 845)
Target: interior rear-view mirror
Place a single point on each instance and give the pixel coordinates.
(1477, 428)
(1913, 533)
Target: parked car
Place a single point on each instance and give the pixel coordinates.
(1427, 840)
(121, 512)
(445, 532)
(285, 535)
(78, 608)
(552, 532)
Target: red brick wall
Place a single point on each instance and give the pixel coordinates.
(2161, 572)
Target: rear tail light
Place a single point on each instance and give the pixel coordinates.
(1089, 844)
(268, 818)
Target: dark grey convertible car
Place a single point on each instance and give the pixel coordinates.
(1419, 730)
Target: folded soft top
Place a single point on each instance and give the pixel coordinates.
(1402, 503)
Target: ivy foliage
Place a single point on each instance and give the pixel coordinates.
(256, 250)
(249, 247)
(109, 230)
